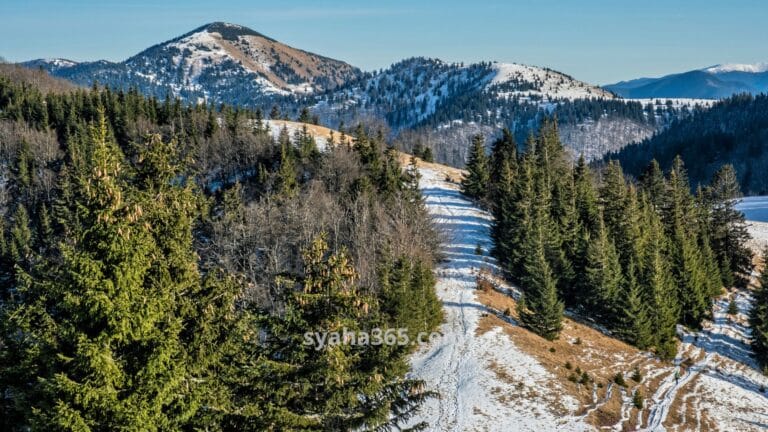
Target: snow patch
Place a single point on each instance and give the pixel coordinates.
(738, 67)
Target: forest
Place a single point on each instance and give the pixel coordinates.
(635, 258)
(732, 132)
(159, 264)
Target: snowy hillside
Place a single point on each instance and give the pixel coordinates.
(493, 375)
(540, 84)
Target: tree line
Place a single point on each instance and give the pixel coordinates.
(638, 258)
(159, 264)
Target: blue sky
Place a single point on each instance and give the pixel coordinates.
(599, 41)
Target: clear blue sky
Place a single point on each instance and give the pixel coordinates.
(599, 41)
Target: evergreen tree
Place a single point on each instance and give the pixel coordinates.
(311, 387)
(660, 288)
(728, 230)
(603, 274)
(632, 318)
(287, 181)
(539, 309)
(103, 324)
(475, 184)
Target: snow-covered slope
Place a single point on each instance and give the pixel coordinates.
(738, 67)
(541, 83)
(462, 365)
(494, 376)
(220, 62)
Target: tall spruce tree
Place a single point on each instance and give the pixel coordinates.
(656, 278)
(603, 275)
(727, 228)
(475, 184)
(540, 309)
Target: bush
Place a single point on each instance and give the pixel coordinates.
(733, 308)
(577, 341)
(568, 365)
(552, 349)
(619, 379)
(637, 376)
(574, 378)
(637, 399)
(585, 379)
(507, 312)
(478, 249)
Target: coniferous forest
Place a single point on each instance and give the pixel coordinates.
(159, 264)
(636, 257)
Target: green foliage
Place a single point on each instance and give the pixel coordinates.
(637, 399)
(475, 184)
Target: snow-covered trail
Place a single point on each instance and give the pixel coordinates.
(463, 366)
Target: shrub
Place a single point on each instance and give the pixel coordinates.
(733, 308)
(637, 399)
(552, 349)
(619, 379)
(568, 365)
(637, 376)
(585, 379)
(577, 341)
(478, 249)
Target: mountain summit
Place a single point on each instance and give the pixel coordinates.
(218, 62)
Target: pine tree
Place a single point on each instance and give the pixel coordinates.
(104, 322)
(653, 183)
(728, 231)
(287, 181)
(758, 318)
(631, 320)
(603, 275)
(689, 267)
(539, 309)
(475, 184)
(660, 288)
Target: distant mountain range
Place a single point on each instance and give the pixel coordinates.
(715, 82)
(444, 102)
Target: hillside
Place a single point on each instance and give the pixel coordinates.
(492, 373)
(36, 78)
(218, 62)
(733, 131)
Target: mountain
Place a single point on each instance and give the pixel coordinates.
(444, 102)
(735, 131)
(219, 62)
(715, 82)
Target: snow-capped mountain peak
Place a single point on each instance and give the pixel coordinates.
(738, 67)
(219, 62)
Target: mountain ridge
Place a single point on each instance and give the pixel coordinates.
(713, 82)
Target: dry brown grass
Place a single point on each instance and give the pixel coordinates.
(585, 348)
